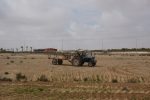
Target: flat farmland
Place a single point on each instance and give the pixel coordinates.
(114, 77)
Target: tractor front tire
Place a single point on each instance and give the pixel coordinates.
(91, 64)
(54, 61)
(76, 62)
(94, 63)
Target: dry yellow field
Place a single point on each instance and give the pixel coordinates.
(113, 75)
(120, 68)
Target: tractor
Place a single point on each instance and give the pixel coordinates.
(76, 58)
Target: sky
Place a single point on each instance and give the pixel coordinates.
(74, 24)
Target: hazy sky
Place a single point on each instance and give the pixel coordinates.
(79, 23)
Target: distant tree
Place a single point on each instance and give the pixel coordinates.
(1, 49)
(22, 48)
(124, 49)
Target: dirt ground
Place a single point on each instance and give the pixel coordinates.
(114, 78)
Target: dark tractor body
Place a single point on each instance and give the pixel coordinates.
(83, 57)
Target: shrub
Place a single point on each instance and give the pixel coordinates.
(6, 73)
(7, 57)
(20, 77)
(43, 78)
(85, 79)
(21, 61)
(133, 98)
(125, 89)
(40, 89)
(29, 90)
(76, 79)
(114, 81)
(98, 78)
(6, 79)
(12, 61)
(133, 80)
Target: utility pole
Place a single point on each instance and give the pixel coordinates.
(102, 44)
(136, 45)
(62, 44)
(16, 49)
(24, 46)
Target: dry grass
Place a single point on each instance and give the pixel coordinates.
(73, 91)
(113, 78)
(130, 69)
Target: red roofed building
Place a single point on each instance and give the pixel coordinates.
(50, 49)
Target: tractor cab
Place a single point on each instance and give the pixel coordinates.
(83, 57)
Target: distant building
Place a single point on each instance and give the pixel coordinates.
(45, 50)
(50, 49)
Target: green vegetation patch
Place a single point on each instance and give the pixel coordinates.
(29, 90)
(21, 77)
(5, 79)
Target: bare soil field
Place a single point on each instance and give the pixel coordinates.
(33, 77)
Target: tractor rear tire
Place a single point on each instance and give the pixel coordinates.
(54, 61)
(60, 61)
(76, 62)
(91, 64)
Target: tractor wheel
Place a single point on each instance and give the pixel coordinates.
(54, 61)
(76, 62)
(94, 64)
(81, 64)
(91, 64)
(60, 61)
